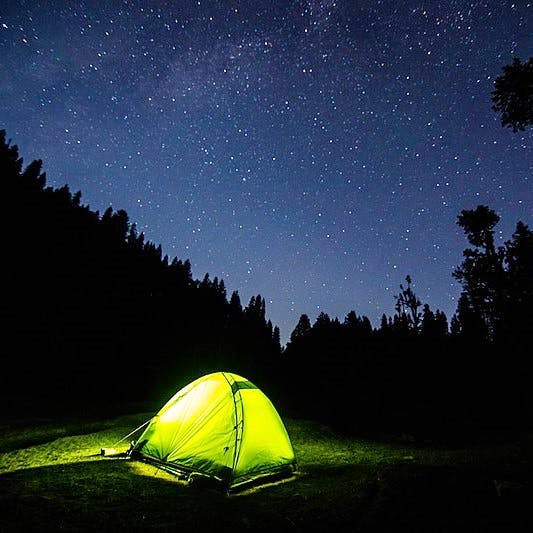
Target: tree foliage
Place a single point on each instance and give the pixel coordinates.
(482, 270)
(513, 95)
(408, 305)
(497, 282)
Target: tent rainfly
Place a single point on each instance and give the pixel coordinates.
(219, 427)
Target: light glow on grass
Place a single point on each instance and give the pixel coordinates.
(343, 484)
(44, 445)
(147, 470)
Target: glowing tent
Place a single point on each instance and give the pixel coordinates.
(220, 426)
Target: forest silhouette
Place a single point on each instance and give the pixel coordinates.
(95, 316)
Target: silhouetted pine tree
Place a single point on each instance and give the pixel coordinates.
(302, 329)
(518, 312)
(407, 308)
(482, 273)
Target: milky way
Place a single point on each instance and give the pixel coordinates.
(315, 152)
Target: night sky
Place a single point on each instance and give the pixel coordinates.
(313, 151)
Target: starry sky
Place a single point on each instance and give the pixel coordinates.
(313, 151)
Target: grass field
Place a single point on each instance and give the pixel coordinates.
(53, 478)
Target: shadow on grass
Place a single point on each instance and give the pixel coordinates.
(119, 495)
(116, 495)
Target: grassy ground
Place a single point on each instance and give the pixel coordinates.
(53, 478)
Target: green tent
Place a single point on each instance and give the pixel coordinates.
(220, 426)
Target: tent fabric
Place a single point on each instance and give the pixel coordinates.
(221, 426)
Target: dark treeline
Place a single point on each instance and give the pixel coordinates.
(93, 314)
(415, 373)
